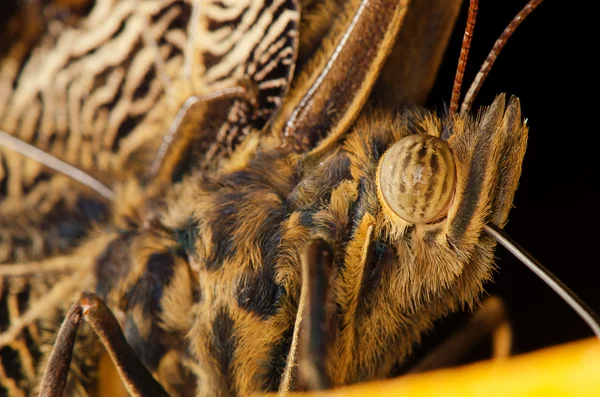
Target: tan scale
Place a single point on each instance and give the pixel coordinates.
(396, 280)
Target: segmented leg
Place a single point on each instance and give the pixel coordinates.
(136, 378)
(309, 345)
(316, 274)
(489, 319)
(57, 369)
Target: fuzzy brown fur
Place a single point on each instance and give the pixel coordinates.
(203, 268)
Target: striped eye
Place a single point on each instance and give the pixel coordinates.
(416, 179)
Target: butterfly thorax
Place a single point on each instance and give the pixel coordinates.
(239, 236)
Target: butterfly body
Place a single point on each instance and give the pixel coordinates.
(202, 265)
(245, 276)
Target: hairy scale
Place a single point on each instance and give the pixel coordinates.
(99, 95)
(203, 272)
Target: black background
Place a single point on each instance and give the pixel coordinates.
(556, 216)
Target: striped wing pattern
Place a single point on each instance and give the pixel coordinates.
(252, 43)
(99, 92)
(90, 93)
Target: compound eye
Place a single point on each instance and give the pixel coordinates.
(416, 178)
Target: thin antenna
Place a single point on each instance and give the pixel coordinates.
(491, 58)
(562, 290)
(464, 55)
(52, 162)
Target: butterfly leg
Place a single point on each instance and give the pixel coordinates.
(135, 376)
(316, 274)
(309, 345)
(489, 319)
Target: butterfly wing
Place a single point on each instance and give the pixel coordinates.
(100, 92)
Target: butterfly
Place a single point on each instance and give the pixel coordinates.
(209, 216)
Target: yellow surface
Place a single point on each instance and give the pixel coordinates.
(568, 370)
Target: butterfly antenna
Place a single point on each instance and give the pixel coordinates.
(491, 58)
(553, 282)
(52, 162)
(464, 55)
